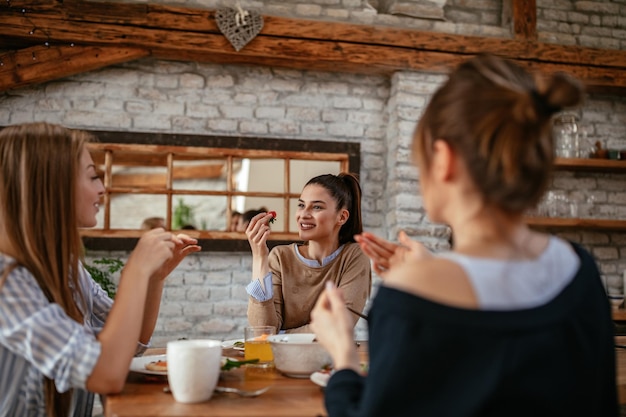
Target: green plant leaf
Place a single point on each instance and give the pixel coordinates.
(102, 271)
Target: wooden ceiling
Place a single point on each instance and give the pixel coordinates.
(46, 40)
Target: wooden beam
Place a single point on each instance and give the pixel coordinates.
(39, 64)
(153, 26)
(524, 19)
(187, 34)
(132, 180)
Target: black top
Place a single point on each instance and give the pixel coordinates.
(428, 359)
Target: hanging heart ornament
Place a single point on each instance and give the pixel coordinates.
(239, 27)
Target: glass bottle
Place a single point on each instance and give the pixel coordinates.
(566, 137)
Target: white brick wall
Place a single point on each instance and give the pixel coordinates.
(595, 24)
(205, 296)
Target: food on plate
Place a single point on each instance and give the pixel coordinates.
(239, 344)
(229, 363)
(157, 366)
(273, 214)
(328, 369)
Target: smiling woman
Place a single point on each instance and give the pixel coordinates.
(199, 181)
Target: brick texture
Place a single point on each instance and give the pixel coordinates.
(205, 296)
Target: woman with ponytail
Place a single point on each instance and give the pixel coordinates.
(61, 337)
(510, 322)
(287, 281)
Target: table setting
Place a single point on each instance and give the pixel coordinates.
(219, 380)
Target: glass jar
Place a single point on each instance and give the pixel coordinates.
(566, 136)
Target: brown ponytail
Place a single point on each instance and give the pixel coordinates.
(497, 117)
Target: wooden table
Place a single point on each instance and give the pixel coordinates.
(143, 395)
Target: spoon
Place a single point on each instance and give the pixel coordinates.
(243, 393)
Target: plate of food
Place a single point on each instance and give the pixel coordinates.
(236, 344)
(157, 364)
(149, 364)
(321, 377)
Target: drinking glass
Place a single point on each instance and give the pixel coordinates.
(256, 344)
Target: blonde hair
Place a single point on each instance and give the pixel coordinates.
(497, 117)
(38, 170)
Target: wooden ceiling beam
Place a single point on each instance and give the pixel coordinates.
(524, 19)
(175, 33)
(132, 23)
(39, 64)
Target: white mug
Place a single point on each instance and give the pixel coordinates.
(193, 368)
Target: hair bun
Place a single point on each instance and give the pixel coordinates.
(541, 104)
(560, 90)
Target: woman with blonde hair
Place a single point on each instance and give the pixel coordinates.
(61, 337)
(510, 322)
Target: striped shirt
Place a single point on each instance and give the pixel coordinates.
(37, 338)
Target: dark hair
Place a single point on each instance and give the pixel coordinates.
(497, 117)
(248, 215)
(346, 191)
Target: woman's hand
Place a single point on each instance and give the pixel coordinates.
(385, 254)
(153, 249)
(158, 252)
(183, 246)
(258, 231)
(333, 326)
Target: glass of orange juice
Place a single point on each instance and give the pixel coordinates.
(256, 345)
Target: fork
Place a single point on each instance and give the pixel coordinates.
(358, 313)
(243, 393)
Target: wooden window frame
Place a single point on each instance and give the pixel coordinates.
(220, 146)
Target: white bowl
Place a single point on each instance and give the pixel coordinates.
(297, 355)
(616, 300)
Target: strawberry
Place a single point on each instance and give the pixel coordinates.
(273, 214)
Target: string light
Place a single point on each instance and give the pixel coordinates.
(34, 29)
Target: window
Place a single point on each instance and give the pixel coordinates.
(196, 182)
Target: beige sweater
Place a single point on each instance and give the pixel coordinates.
(297, 287)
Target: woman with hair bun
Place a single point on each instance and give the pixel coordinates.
(511, 321)
(287, 281)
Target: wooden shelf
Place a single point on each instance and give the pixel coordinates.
(590, 164)
(619, 314)
(567, 223)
